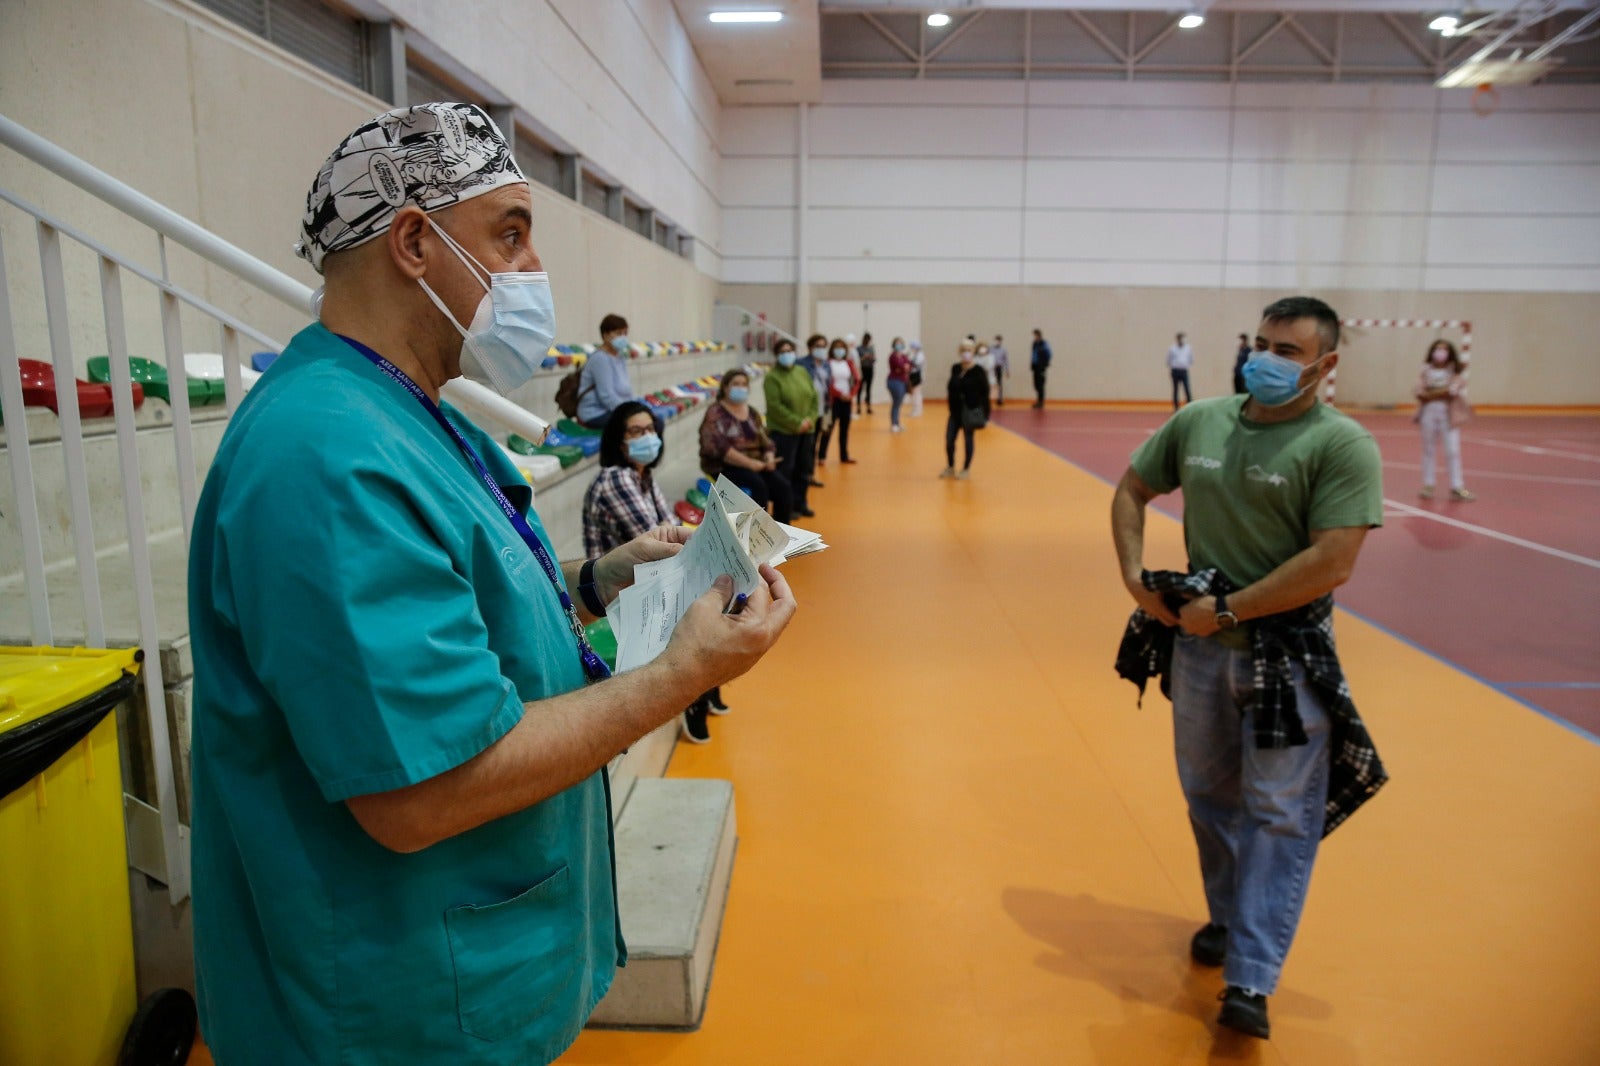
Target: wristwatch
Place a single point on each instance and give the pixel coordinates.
(588, 592)
(1226, 619)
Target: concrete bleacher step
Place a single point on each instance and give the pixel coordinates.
(675, 845)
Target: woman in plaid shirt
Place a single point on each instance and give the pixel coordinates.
(624, 500)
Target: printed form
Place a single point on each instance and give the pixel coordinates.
(735, 538)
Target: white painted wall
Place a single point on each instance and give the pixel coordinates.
(1177, 185)
(616, 79)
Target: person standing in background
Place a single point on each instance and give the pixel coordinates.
(867, 360)
(791, 419)
(985, 359)
(1002, 370)
(1240, 359)
(1180, 357)
(968, 396)
(815, 362)
(899, 381)
(1442, 410)
(919, 364)
(843, 382)
(1039, 363)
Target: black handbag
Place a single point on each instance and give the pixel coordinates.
(973, 416)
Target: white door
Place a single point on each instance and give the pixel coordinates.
(884, 319)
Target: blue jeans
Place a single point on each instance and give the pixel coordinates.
(897, 396)
(1257, 815)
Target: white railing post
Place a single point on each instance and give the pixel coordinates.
(232, 380)
(178, 397)
(21, 462)
(176, 857)
(77, 469)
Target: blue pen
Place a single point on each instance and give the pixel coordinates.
(738, 603)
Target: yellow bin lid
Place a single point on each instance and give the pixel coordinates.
(37, 681)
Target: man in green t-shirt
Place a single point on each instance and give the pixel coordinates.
(1279, 492)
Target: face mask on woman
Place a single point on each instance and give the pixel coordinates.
(818, 352)
(1440, 356)
(643, 450)
(786, 358)
(1274, 380)
(966, 355)
(620, 344)
(899, 347)
(838, 353)
(738, 394)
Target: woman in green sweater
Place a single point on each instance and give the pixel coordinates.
(792, 410)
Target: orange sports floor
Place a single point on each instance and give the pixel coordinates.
(961, 842)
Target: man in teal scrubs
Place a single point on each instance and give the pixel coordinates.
(401, 845)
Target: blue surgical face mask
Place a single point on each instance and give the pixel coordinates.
(786, 358)
(620, 344)
(819, 353)
(738, 394)
(644, 449)
(513, 328)
(1274, 380)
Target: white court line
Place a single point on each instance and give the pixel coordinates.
(1417, 512)
(1530, 449)
(1477, 474)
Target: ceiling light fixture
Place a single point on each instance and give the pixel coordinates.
(1445, 25)
(747, 16)
(1193, 20)
(938, 19)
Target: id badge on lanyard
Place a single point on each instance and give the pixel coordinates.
(594, 668)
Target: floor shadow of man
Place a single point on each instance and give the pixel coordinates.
(1168, 1004)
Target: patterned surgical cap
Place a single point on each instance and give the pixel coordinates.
(431, 155)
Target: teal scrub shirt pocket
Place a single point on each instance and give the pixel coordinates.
(513, 959)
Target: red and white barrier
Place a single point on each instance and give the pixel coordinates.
(1464, 348)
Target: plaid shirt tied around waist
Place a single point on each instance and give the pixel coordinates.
(1303, 635)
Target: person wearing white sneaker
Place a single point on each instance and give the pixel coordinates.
(1442, 409)
(899, 382)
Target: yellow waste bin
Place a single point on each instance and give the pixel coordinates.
(67, 991)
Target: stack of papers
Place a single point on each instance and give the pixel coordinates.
(735, 538)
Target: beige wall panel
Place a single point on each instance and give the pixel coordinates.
(37, 76)
(1110, 342)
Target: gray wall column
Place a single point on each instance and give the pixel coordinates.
(386, 58)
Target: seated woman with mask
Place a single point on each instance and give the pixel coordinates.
(625, 500)
(734, 441)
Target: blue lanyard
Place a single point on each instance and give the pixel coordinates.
(594, 668)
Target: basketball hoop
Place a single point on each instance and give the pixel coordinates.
(1485, 100)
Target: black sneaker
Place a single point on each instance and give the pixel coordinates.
(1210, 945)
(693, 722)
(714, 704)
(1244, 1012)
